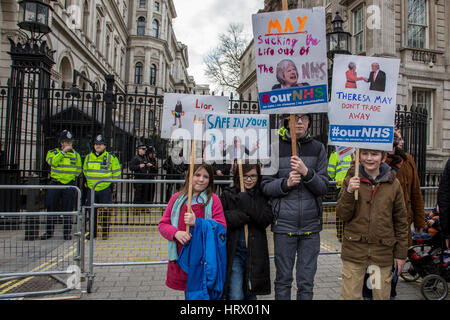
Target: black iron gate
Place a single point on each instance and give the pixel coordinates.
(135, 119)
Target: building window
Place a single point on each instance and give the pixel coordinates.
(155, 28)
(150, 119)
(115, 59)
(153, 75)
(138, 72)
(156, 6)
(417, 23)
(85, 17)
(108, 46)
(422, 98)
(97, 36)
(137, 118)
(141, 26)
(124, 12)
(142, 3)
(358, 30)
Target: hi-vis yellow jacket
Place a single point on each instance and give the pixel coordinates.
(64, 167)
(104, 166)
(337, 169)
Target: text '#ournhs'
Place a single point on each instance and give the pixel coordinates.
(292, 97)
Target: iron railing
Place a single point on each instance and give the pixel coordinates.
(136, 119)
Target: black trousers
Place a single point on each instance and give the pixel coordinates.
(103, 196)
(60, 200)
(142, 193)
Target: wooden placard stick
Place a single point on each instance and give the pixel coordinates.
(356, 169)
(191, 176)
(241, 183)
(284, 6)
(293, 135)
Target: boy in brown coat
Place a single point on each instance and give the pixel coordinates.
(376, 230)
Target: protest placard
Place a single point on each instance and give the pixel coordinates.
(363, 101)
(237, 136)
(184, 117)
(342, 152)
(181, 111)
(291, 60)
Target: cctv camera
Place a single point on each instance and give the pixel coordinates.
(431, 64)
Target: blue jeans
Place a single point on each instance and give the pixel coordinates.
(236, 286)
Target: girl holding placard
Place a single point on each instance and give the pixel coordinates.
(248, 270)
(172, 226)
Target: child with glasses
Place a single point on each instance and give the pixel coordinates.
(248, 271)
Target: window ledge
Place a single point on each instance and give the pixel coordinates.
(422, 49)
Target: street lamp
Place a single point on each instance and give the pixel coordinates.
(33, 57)
(34, 16)
(75, 91)
(338, 41)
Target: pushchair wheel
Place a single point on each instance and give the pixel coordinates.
(409, 274)
(434, 287)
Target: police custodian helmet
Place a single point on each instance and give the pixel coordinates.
(142, 146)
(65, 135)
(100, 139)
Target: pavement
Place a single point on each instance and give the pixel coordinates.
(147, 282)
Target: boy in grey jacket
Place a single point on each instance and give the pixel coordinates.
(296, 192)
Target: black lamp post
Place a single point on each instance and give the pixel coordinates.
(75, 91)
(338, 41)
(34, 16)
(31, 66)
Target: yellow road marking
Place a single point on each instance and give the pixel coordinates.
(38, 268)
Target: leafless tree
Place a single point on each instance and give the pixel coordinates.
(222, 63)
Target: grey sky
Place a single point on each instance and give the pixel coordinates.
(199, 22)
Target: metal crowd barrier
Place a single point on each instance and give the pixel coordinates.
(132, 231)
(133, 239)
(27, 262)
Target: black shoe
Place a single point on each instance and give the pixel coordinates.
(46, 236)
(68, 237)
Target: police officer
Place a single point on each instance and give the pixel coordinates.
(65, 165)
(153, 170)
(337, 171)
(141, 165)
(100, 165)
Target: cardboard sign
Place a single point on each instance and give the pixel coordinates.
(182, 111)
(291, 60)
(237, 136)
(342, 152)
(363, 102)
